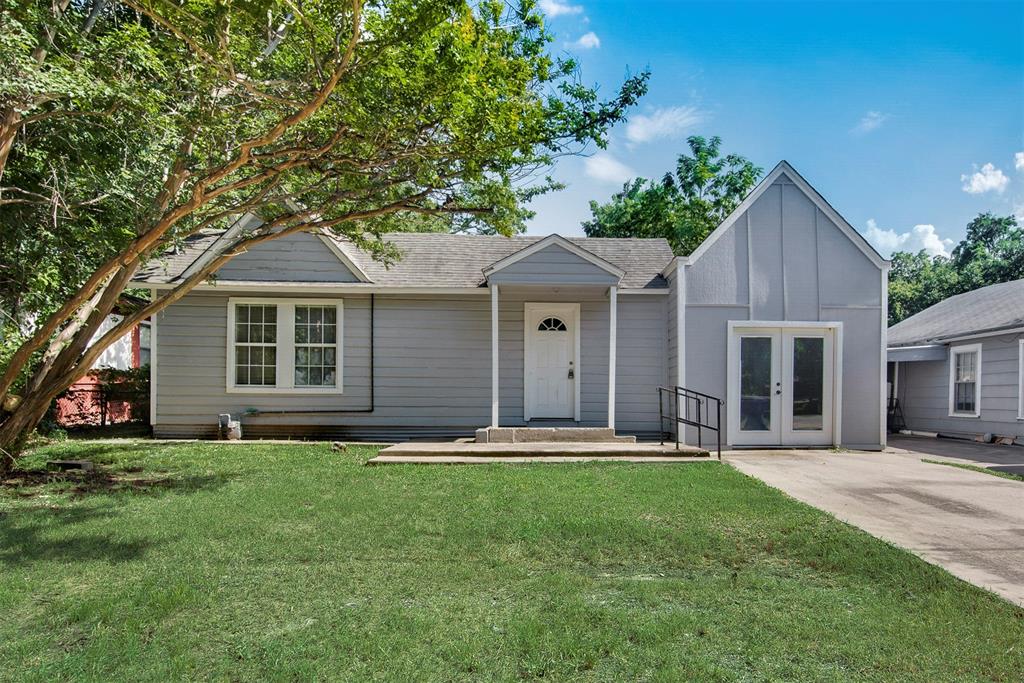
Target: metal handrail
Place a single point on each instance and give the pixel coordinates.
(702, 404)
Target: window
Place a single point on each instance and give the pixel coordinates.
(315, 346)
(551, 325)
(255, 345)
(282, 345)
(965, 380)
(1020, 379)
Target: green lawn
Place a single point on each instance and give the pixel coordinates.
(254, 562)
(976, 468)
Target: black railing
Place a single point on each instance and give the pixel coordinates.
(689, 407)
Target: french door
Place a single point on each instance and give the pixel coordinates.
(781, 386)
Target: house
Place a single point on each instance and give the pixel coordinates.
(957, 368)
(779, 313)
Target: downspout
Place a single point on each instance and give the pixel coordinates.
(331, 411)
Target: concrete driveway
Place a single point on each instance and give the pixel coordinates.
(970, 523)
(1001, 458)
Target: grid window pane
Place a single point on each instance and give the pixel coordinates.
(255, 340)
(316, 346)
(965, 382)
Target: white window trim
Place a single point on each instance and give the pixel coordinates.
(285, 347)
(953, 351)
(1020, 379)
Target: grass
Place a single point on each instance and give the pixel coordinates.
(292, 562)
(976, 468)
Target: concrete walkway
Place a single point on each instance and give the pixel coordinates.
(970, 523)
(546, 459)
(469, 453)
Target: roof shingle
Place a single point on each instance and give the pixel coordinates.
(991, 308)
(446, 260)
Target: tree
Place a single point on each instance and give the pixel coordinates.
(684, 208)
(992, 252)
(917, 281)
(72, 94)
(329, 115)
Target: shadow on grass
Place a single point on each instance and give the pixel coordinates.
(97, 452)
(35, 532)
(28, 536)
(26, 483)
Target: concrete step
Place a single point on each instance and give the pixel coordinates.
(550, 435)
(541, 450)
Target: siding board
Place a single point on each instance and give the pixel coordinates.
(301, 257)
(924, 393)
(433, 367)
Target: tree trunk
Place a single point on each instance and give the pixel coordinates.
(17, 427)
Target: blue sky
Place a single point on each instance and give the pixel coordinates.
(908, 117)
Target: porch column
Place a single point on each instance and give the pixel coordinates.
(613, 305)
(494, 355)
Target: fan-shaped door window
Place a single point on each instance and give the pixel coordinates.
(551, 325)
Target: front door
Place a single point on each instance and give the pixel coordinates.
(781, 386)
(551, 373)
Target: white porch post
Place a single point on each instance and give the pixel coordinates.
(494, 355)
(613, 305)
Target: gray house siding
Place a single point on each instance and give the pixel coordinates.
(785, 260)
(672, 338)
(923, 391)
(295, 258)
(432, 367)
(553, 265)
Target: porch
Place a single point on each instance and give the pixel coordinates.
(473, 453)
(554, 311)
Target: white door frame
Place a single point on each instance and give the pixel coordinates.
(732, 371)
(791, 436)
(570, 312)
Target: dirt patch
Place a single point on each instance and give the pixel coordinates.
(28, 483)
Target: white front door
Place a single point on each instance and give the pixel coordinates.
(550, 370)
(781, 386)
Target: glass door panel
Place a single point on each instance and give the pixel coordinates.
(808, 383)
(756, 384)
(756, 388)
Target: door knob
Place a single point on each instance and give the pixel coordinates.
(778, 391)
(572, 374)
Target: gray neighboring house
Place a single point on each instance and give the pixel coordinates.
(780, 313)
(957, 367)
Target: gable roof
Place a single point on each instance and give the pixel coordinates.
(989, 309)
(554, 240)
(784, 168)
(447, 260)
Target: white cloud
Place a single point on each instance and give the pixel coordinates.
(667, 122)
(1018, 161)
(920, 237)
(989, 178)
(605, 168)
(869, 122)
(556, 8)
(588, 41)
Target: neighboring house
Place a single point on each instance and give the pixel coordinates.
(83, 402)
(957, 368)
(780, 313)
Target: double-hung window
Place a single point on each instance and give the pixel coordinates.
(284, 345)
(965, 381)
(1020, 379)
